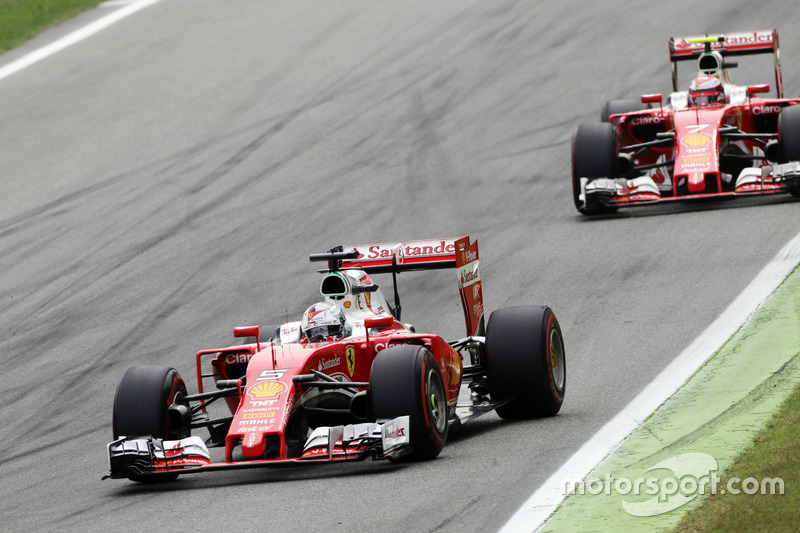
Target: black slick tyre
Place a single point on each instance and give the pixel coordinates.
(594, 155)
(141, 401)
(615, 107)
(525, 361)
(406, 380)
(140, 407)
(789, 137)
(789, 133)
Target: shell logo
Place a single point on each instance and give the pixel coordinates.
(696, 140)
(268, 389)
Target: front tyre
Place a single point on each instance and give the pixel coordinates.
(594, 155)
(141, 402)
(789, 136)
(406, 380)
(140, 408)
(615, 107)
(525, 361)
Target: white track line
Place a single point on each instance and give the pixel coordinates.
(538, 508)
(74, 37)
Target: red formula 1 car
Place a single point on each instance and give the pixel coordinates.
(715, 140)
(349, 381)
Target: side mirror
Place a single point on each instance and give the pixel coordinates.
(382, 322)
(249, 331)
(755, 89)
(652, 99)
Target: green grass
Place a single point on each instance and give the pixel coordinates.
(774, 453)
(21, 20)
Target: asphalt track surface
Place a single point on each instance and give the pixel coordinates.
(166, 179)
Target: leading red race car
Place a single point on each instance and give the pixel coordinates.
(349, 381)
(715, 140)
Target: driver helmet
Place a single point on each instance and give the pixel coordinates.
(323, 320)
(706, 90)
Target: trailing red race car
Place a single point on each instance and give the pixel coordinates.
(349, 381)
(715, 140)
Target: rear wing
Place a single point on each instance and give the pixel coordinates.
(396, 257)
(403, 257)
(729, 44)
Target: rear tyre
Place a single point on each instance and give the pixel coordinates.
(406, 380)
(627, 105)
(594, 155)
(525, 361)
(140, 406)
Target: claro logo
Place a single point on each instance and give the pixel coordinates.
(645, 121)
(382, 345)
(767, 110)
(237, 358)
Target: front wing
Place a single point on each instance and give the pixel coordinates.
(620, 192)
(149, 457)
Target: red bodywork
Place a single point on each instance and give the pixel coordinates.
(692, 166)
(283, 391)
(271, 395)
(677, 150)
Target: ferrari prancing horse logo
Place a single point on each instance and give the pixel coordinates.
(350, 357)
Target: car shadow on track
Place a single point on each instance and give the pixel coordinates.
(261, 476)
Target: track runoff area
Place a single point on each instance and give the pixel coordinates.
(659, 457)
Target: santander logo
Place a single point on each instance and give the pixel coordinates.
(466, 277)
(741, 40)
(399, 432)
(330, 363)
